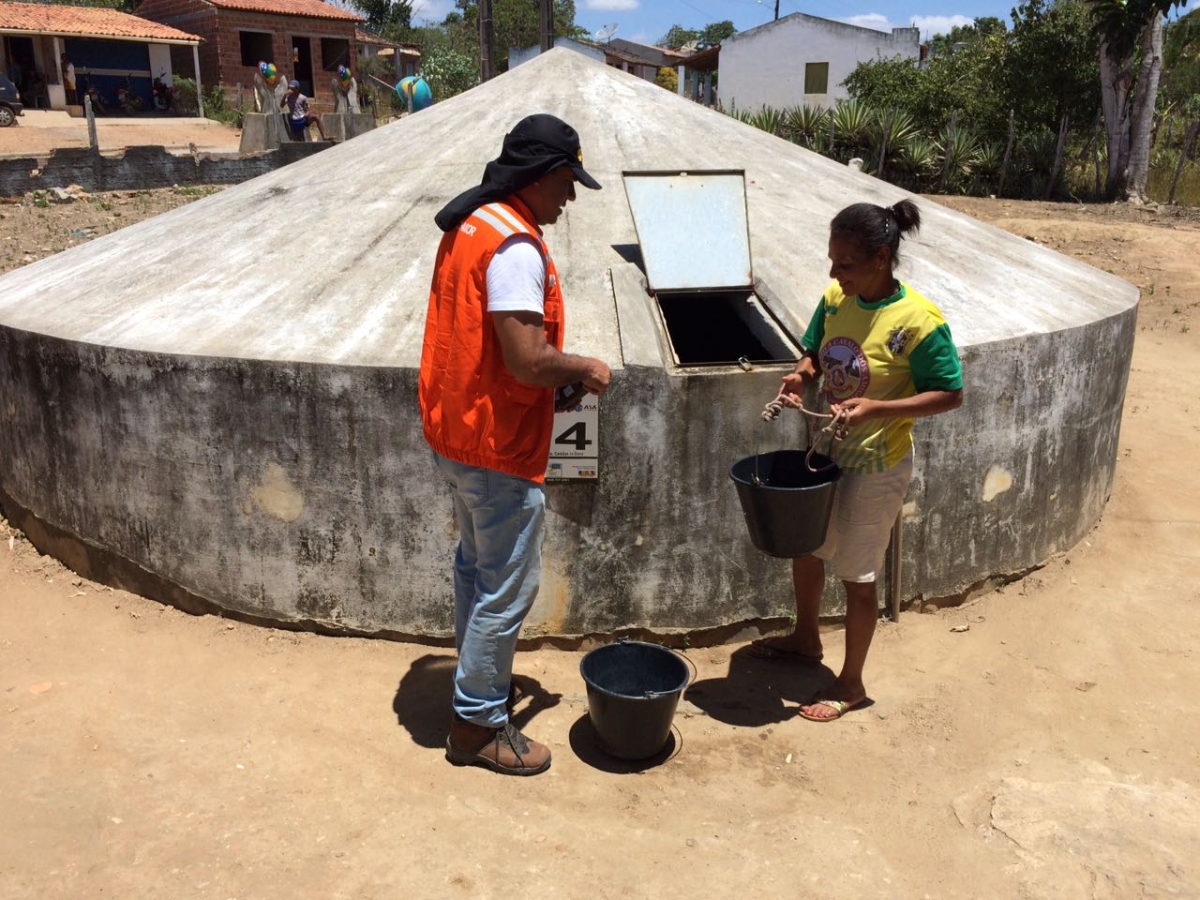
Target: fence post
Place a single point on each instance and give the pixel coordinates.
(1063, 125)
(951, 138)
(1189, 142)
(1012, 131)
(887, 130)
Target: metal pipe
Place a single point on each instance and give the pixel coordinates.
(897, 563)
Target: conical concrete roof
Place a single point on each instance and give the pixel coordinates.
(218, 405)
(329, 259)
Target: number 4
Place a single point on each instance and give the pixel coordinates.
(576, 434)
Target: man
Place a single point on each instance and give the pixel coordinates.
(68, 79)
(299, 118)
(491, 361)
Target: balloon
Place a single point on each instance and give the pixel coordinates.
(415, 91)
(343, 76)
(268, 72)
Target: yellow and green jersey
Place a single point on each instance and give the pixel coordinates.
(887, 350)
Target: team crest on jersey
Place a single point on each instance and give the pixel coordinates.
(845, 368)
(897, 340)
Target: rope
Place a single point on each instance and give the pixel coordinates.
(836, 430)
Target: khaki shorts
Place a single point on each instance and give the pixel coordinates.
(864, 509)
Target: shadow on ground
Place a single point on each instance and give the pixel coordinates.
(423, 698)
(758, 692)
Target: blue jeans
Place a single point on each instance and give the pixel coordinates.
(497, 570)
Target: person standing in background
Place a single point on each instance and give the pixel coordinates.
(68, 79)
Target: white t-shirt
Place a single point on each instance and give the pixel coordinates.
(516, 277)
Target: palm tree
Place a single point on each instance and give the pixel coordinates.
(1131, 49)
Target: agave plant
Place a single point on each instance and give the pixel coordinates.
(989, 159)
(895, 125)
(822, 141)
(917, 158)
(1038, 149)
(890, 131)
(767, 119)
(960, 154)
(802, 124)
(852, 121)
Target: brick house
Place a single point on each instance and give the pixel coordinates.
(306, 39)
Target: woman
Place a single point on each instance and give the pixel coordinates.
(887, 358)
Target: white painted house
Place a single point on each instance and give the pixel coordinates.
(802, 59)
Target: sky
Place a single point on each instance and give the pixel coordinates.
(645, 21)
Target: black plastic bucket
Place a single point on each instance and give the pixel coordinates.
(787, 512)
(632, 690)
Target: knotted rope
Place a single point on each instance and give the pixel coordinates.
(836, 430)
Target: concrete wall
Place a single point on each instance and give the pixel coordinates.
(140, 168)
(305, 493)
(765, 66)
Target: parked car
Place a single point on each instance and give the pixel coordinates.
(10, 102)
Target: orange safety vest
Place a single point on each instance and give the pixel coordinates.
(474, 411)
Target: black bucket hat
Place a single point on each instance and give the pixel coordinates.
(537, 145)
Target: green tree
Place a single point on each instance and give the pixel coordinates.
(1181, 60)
(982, 27)
(1042, 69)
(711, 35)
(391, 19)
(965, 82)
(515, 23)
(449, 72)
(677, 36)
(1051, 67)
(708, 36)
(1131, 59)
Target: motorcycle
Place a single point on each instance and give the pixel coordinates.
(99, 107)
(128, 99)
(166, 95)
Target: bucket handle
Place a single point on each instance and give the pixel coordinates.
(693, 671)
(691, 666)
(836, 431)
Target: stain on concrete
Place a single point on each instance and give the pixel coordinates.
(996, 482)
(277, 496)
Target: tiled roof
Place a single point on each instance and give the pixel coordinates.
(367, 37)
(312, 9)
(85, 21)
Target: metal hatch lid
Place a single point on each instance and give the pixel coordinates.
(693, 228)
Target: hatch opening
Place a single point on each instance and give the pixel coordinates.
(720, 328)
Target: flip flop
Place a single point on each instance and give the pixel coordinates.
(841, 707)
(766, 648)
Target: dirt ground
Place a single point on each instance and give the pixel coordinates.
(40, 131)
(1042, 741)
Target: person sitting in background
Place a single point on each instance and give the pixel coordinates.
(299, 118)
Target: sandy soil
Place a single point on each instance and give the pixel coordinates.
(38, 132)
(1042, 741)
